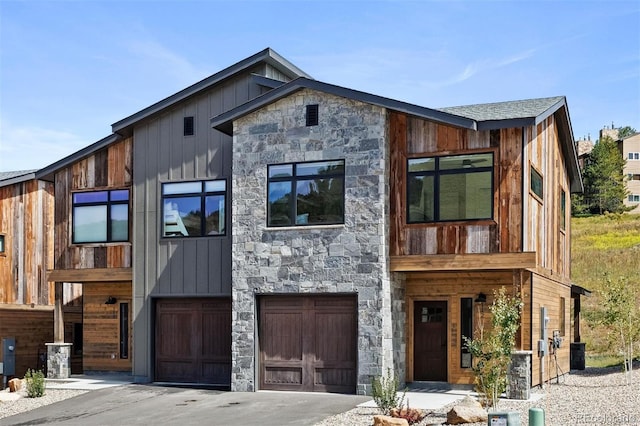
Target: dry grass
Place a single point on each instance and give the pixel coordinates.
(603, 244)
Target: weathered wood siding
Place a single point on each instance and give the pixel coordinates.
(26, 221)
(101, 327)
(198, 266)
(451, 287)
(542, 229)
(547, 293)
(109, 168)
(414, 137)
(32, 328)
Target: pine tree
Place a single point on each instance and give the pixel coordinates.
(604, 186)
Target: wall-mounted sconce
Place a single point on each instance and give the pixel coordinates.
(110, 300)
(482, 299)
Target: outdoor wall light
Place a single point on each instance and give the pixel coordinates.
(110, 300)
(482, 298)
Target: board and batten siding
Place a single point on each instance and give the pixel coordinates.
(415, 137)
(175, 267)
(109, 168)
(26, 221)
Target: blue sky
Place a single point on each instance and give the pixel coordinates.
(69, 69)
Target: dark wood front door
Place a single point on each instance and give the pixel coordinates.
(308, 343)
(430, 341)
(193, 341)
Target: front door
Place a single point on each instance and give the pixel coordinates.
(430, 341)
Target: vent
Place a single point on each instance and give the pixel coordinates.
(312, 115)
(188, 126)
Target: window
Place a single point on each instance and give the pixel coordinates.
(450, 188)
(634, 198)
(634, 156)
(77, 338)
(563, 209)
(536, 182)
(306, 193)
(562, 317)
(466, 329)
(124, 330)
(101, 216)
(193, 209)
(2, 249)
(188, 126)
(312, 115)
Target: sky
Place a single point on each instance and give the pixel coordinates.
(70, 69)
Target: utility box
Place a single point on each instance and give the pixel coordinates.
(9, 356)
(504, 419)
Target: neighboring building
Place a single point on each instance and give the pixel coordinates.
(630, 150)
(26, 251)
(369, 234)
(315, 237)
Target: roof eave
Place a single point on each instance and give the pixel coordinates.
(18, 179)
(267, 55)
(48, 173)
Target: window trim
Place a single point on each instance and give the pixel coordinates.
(189, 123)
(108, 205)
(203, 197)
(294, 178)
(532, 191)
(436, 173)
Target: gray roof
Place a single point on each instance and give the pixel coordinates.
(267, 55)
(9, 178)
(537, 109)
(224, 121)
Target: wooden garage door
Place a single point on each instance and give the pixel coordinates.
(193, 341)
(308, 343)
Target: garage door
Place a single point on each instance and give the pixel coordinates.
(193, 341)
(308, 343)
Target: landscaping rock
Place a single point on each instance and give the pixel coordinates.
(388, 421)
(15, 385)
(461, 414)
(468, 401)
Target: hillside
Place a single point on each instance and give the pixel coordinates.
(599, 244)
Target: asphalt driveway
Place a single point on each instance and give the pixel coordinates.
(159, 405)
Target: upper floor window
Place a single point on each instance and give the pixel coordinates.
(193, 209)
(536, 183)
(188, 126)
(634, 198)
(312, 115)
(634, 156)
(306, 193)
(101, 216)
(458, 187)
(2, 249)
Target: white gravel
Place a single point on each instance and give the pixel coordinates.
(594, 397)
(12, 407)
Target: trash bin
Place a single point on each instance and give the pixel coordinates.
(576, 357)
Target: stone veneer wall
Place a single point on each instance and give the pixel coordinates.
(349, 258)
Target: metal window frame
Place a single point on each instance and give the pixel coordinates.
(294, 178)
(189, 123)
(108, 205)
(203, 197)
(436, 173)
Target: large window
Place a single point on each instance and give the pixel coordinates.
(193, 209)
(306, 193)
(101, 216)
(448, 188)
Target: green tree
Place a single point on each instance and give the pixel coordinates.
(626, 131)
(491, 349)
(622, 314)
(604, 186)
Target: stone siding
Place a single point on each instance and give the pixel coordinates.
(349, 259)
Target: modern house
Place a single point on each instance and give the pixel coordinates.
(264, 230)
(630, 150)
(26, 251)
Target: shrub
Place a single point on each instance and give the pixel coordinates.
(35, 383)
(385, 393)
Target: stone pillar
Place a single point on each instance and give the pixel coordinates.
(519, 377)
(58, 360)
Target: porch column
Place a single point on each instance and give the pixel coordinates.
(58, 314)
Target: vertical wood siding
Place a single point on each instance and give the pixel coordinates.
(109, 168)
(26, 220)
(413, 137)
